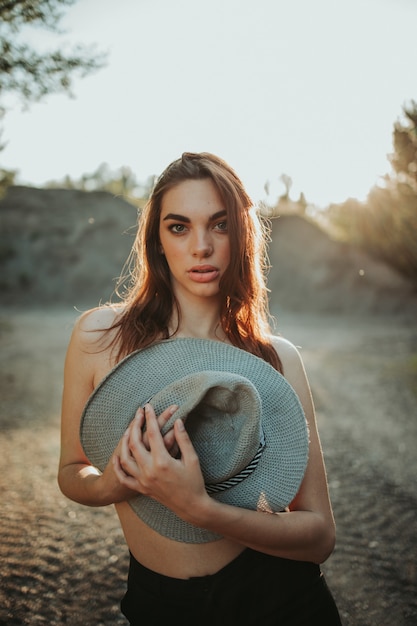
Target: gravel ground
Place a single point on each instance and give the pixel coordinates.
(61, 563)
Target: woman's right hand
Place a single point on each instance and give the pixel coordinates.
(111, 477)
(177, 483)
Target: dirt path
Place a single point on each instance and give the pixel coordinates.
(61, 563)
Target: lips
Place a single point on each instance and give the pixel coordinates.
(203, 273)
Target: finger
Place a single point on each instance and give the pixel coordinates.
(124, 458)
(175, 451)
(184, 442)
(136, 426)
(138, 443)
(155, 439)
(162, 419)
(166, 415)
(171, 444)
(128, 460)
(118, 469)
(138, 421)
(123, 478)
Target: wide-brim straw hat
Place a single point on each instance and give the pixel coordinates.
(243, 417)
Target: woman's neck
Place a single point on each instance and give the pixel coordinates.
(202, 322)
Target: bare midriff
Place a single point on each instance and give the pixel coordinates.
(173, 558)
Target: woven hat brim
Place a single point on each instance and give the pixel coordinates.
(113, 404)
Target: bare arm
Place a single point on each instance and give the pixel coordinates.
(85, 362)
(307, 532)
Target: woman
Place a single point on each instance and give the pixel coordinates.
(197, 272)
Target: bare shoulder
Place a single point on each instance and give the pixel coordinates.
(289, 355)
(295, 374)
(99, 318)
(93, 326)
(293, 366)
(90, 354)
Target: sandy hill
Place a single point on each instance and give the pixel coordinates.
(62, 246)
(310, 271)
(68, 247)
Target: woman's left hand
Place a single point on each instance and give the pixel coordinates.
(152, 471)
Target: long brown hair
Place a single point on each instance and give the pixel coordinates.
(149, 300)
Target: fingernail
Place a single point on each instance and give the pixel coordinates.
(173, 409)
(180, 424)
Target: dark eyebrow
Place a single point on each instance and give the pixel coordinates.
(177, 218)
(182, 218)
(216, 216)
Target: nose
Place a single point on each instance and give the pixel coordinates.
(202, 246)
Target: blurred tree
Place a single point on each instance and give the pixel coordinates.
(121, 182)
(386, 224)
(30, 74)
(302, 204)
(287, 182)
(7, 178)
(404, 157)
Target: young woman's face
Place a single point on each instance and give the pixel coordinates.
(194, 237)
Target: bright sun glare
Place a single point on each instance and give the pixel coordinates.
(310, 90)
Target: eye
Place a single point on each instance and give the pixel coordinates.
(177, 228)
(221, 226)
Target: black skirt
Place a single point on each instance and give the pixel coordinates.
(253, 589)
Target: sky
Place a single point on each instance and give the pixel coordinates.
(306, 88)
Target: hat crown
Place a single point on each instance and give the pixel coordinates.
(222, 413)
